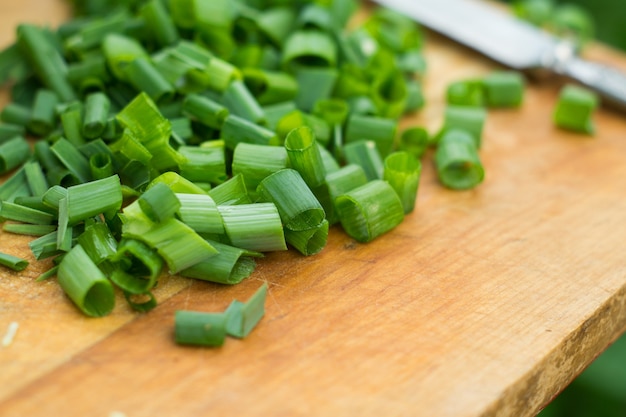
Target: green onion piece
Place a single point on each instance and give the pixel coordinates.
(328, 160)
(17, 114)
(318, 83)
(64, 230)
(35, 202)
(275, 112)
(13, 262)
(333, 110)
(97, 106)
(28, 229)
(159, 202)
(15, 186)
(415, 96)
(470, 119)
(309, 47)
(72, 159)
(13, 153)
(89, 75)
(44, 246)
(379, 130)
(276, 23)
(141, 302)
(93, 198)
(177, 183)
(101, 166)
(309, 242)
(141, 267)
(36, 178)
(45, 59)
(55, 171)
(238, 130)
(466, 93)
(402, 172)
(457, 161)
(362, 106)
(205, 110)
(365, 154)
(19, 213)
(159, 23)
(52, 197)
(575, 108)
(85, 284)
(240, 102)
(196, 328)
(120, 51)
(12, 64)
(98, 242)
(9, 131)
(129, 146)
(346, 179)
(242, 318)
(43, 117)
(48, 274)
(504, 89)
(144, 76)
(255, 227)
(296, 204)
(394, 30)
(370, 210)
(414, 140)
(305, 156)
(270, 87)
(200, 213)
(390, 94)
(231, 192)
(316, 17)
(230, 266)
(256, 162)
(297, 118)
(411, 62)
(203, 164)
(71, 119)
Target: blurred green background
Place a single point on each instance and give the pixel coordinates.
(600, 391)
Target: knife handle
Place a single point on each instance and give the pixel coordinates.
(607, 81)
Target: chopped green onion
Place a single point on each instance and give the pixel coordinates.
(120, 51)
(402, 172)
(231, 192)
(28, 229)
(144, 76)
(73, 160)
(141, 302)
(238, 130)
(365, 154)
(390, 94)
(379, 130)
(309, 242)
(230, 266)
(304, 155)
(466, 93)
(200, 213)
(19, 213)
(13, 262)
(415, 99)
(240, 102)
(504, 89)
(457, 161)
(270, 87)
(98, 242)
(177, 183)
(36, 178)
(101, 166)
(297, 119)
(256, 162)
(243, 317)
(96, 115)
(159, 23)
(9, 131)
(317, 84)
(346, 179)
(575, 108)
(470, 119)
(414, 140)
(71, 119)
(52, 197)
(309, 47)
(141, 267)
(43, 117)
(48, 274)
(16, 114)
(64, 230)
(333, 110)
(13, 153)
(255, 227)
(296, 204)
(203, 164)
(85, 284)
(93, 198)
(370, 210)
(15, 186)
(196, 328)
(159, 202)
(205, 110)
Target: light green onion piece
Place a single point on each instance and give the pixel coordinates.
(389, 94)
(309, 47)
(304, 155)
(231, 192)
(13, 153)
(365, 154)
(575, 108)
(470, 119)
(466, 93)
(177, 183)
(369, 211)
(379, 130)
(295, 119)
(414, 140)
(242, 318)
(457, 161)
(159, 23)
(196, 328)
(402, 172)
(19, 213)
(159, 202)
(203, 164)
(98, 242)
(317, 84)
(504, 89)
(141, 266)
(205, 110)
(309, 242)
(240, 102)
(64, 230)
(141, 302)
(13, 262)
(270, 87)
(255, 227)
(43, 118)
(275, 112)
(28, 229)
(256, 162)
(52, 272)
(120, 51)
(298, 207)
(238, 130)
(230, 266)
(52, 197)
(85, 284)
(93, 198)
(200, 213)
(144, 76)
(96, 114)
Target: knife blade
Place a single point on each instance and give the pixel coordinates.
(499, 35)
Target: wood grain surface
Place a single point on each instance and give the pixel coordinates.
(482, 303)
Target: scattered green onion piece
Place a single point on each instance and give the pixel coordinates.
(390, 94)
(203, 164)
(470, 119)
(97, 106)
(12, 64)
(504, 89)
(101, 166)
(575, 108)
(200, 213)
(13, 262)
(317, 84)
(196, 328)
(242, 318)
(28, 229)
(394, 30)
(35, 202)
(328, 160)
(276, 23)
(238, 130)
(379, 130)
(98, 242)
(315, 17)
(466, 93)
(159, 23)
(64, 230)
(457, 161)
(365, 154)
(177, 183)
(89, 75)
(415, 96)
(333, 110)
(71, 119)
(48, 274)
(9, 131)
(275, 112)
(412, 61)
(19, 213)
(36, 178)
(52, 197)
(93, 198)
(370, 210)
(17, 114)
(309, 242)
(309, 47)
(141, 267)
(56, 173)
(15, 186)
(231, 192)
(240, 102)
(270, 87)
(205, 110)
(346, 179)
(255, 227)
(72, 159)
(143, 75)
(296, 204)
(131, 148)
(256, 162)
(304, 155)
(141, 302)
(85, 284)
(159, 202)
(402, 172)
(414, 140)
(43, 117)
(119, 51)
(230, 266)
(362, 106)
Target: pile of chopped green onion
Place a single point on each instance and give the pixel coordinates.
(193, 136)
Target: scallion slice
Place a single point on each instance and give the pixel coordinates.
(13, 153)
(242, 318)
(457, 161)
(304, 155)
(197, 328)
(309, 242)
(13, 262)
(402, 172)
(255, 227)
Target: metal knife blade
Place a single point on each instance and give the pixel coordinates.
(514, 43)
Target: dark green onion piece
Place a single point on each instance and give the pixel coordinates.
(457, 161)
(309, 47)
(295, 119)
(317, 84)
(270, 87)
(196, 328)
(231, 192)
(13, 262)
(242, 318)
(470, 119)
(85, 284)
(36, 178)
(72, 159)
(19, 213)
(159, 202)
(255, 227)
(52, 197)
(575, 108)
(43, 118)
(238, 130)
(205, 110)
(141, 267)
(200, 213)
(466, 93)
(93, 198)
(15, 113)
(64, 230)
(141, 302)
(159, 23)
(72, 121)
(390, 94)
(402, 172)
(15, 186)
(230, 266)
(144, 76)
(28, 229)
(98, 242)
(9, 131)
(309, 242)
(56, 173)
(256, 162)
(380, 130)
(240, 102)
(96, 115)
(48, 274)
(504, 89)
(365, 154)
(13, 153)
(414, 140)
(298, 207)
(369, 211)
(305, 156)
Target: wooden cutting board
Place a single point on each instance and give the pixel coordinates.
(482, 303)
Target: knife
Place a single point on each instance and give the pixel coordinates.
(513, 42)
